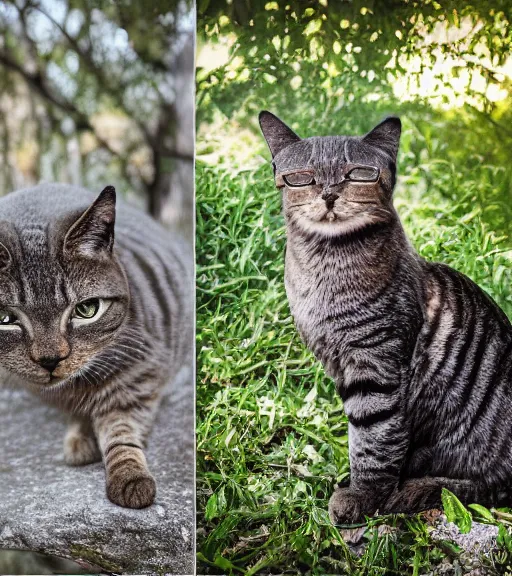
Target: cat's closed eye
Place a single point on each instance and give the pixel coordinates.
(297, 179)
(363, 174)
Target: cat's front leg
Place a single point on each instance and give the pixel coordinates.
(121, 436)
(80, 445)
(378, 442)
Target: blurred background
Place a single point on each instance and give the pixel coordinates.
(341, 66)
(271, 432)
(96, 93)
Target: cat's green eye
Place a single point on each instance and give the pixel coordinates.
(7, 317)
(87, 309)
(299, 179)
(363, 174)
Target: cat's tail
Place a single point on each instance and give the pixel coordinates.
(417, 494)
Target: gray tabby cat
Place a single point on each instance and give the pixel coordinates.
(421, 356)
(94, 326)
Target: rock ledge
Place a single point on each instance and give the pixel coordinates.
(52, 508)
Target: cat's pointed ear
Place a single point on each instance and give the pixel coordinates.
(386, 136)
(93, 232)
(277, 134)
(5, 258)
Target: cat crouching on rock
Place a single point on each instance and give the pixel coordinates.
(420, 355)
(95, 317)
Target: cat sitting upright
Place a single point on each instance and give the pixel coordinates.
(94, 325)
(420, 355)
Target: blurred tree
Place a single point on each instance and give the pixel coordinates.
(96, 92)
(351, 49)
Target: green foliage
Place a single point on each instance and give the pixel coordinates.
(456, 512)
(349, 49)
(482, 513)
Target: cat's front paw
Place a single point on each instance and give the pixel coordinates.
(80, 449)
(131, 488)
(348, 506)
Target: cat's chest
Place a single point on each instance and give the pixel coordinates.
(329, 302)
(322, 289)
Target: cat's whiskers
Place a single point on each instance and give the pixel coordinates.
(102, 366)
(131, 352)
(134, 339)
(120, 353)
(105, 367)
(96, 375)
(84, 375)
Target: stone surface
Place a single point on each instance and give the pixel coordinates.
(46, 506)
(481, 539)
(475, 546)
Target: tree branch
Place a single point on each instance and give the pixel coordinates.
(85, 56)
(37, 83)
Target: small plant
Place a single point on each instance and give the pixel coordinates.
(456, 512)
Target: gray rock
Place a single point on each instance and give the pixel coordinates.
(481, 539)
(48, 507)
(475, 545)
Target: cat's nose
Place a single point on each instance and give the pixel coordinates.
(329, 197)
(49, 362)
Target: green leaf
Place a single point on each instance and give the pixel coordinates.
(455, 511)
(504, 539)
(225, 564)
(450, 547)
(312, 27)
(321, 516)
(482, 511)
(221, 501)
(473, 214)
(203, 6)
(211, 508)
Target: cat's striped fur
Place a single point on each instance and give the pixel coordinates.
(421, 356)
(60, 246)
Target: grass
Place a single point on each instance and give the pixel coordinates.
(271, 432)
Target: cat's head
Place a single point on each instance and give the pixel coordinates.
(334, 185)
(63, 293)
